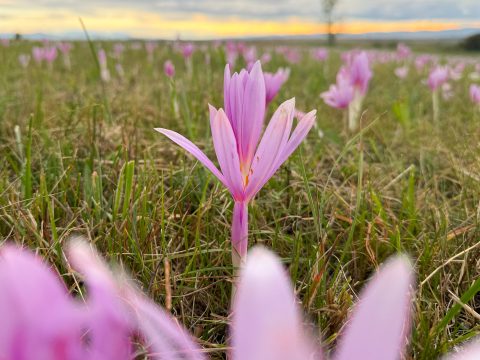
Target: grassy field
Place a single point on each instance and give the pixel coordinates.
(80, 156)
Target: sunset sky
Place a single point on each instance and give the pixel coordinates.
(199, 19)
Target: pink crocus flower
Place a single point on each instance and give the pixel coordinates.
(403, 51)
(437, 77)
(37, 53)
(24, 60)
(266, 58)
(352, 85)
(360, 73)
(475, 94)
(65, 47)
(150, 47)
(5, 42)
(274, 81)
(402, 72)
(187, 50)
(247, 159)
(320, 54)
(447, 91)
(50, 54)
(169, 68)
(341, 94)
(421, 61)
(102, 61)
(118, 50)
(293, 55)
(250, 56)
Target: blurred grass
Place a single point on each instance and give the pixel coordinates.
(81, 157)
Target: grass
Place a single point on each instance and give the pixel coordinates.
(81, 157)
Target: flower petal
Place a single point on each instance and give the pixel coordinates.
(166, 338)
(38, 319)
(271, 147)
(300, 132)
(468, 352)
(379, 326)
(194, 150)
(226, 150)
(253, 114)
(267, 323)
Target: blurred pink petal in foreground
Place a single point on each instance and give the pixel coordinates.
(48, 324)
(267, 323)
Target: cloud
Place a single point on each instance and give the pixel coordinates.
(271, 9)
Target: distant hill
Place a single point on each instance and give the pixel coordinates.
(418, 35)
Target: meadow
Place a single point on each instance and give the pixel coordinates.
(80, 157)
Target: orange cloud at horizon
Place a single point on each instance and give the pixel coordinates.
(152, 25)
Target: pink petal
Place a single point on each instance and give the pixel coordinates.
(271, 147)
(110, 322)
(165, 337)
(226, 150)
(253, 113)
(38, 319)
(468, 352)
(298, 135)
(380, 323)
(194, 150)
(267, 324)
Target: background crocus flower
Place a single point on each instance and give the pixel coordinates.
(359, 72)
(475, 94)
(403, 51)
(102, 61)
(246, 162)
(320, 54)
(187, 50)
(352, 85)
(24, 60)
(150, 47)
(339, 95)
(273, 83)
(118, 50)
(37, 53)
(401, 72)
(169, 68)
(266, 58)
(437, 77)
(65, 48)
(50, 54)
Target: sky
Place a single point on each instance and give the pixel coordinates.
(207, 19)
